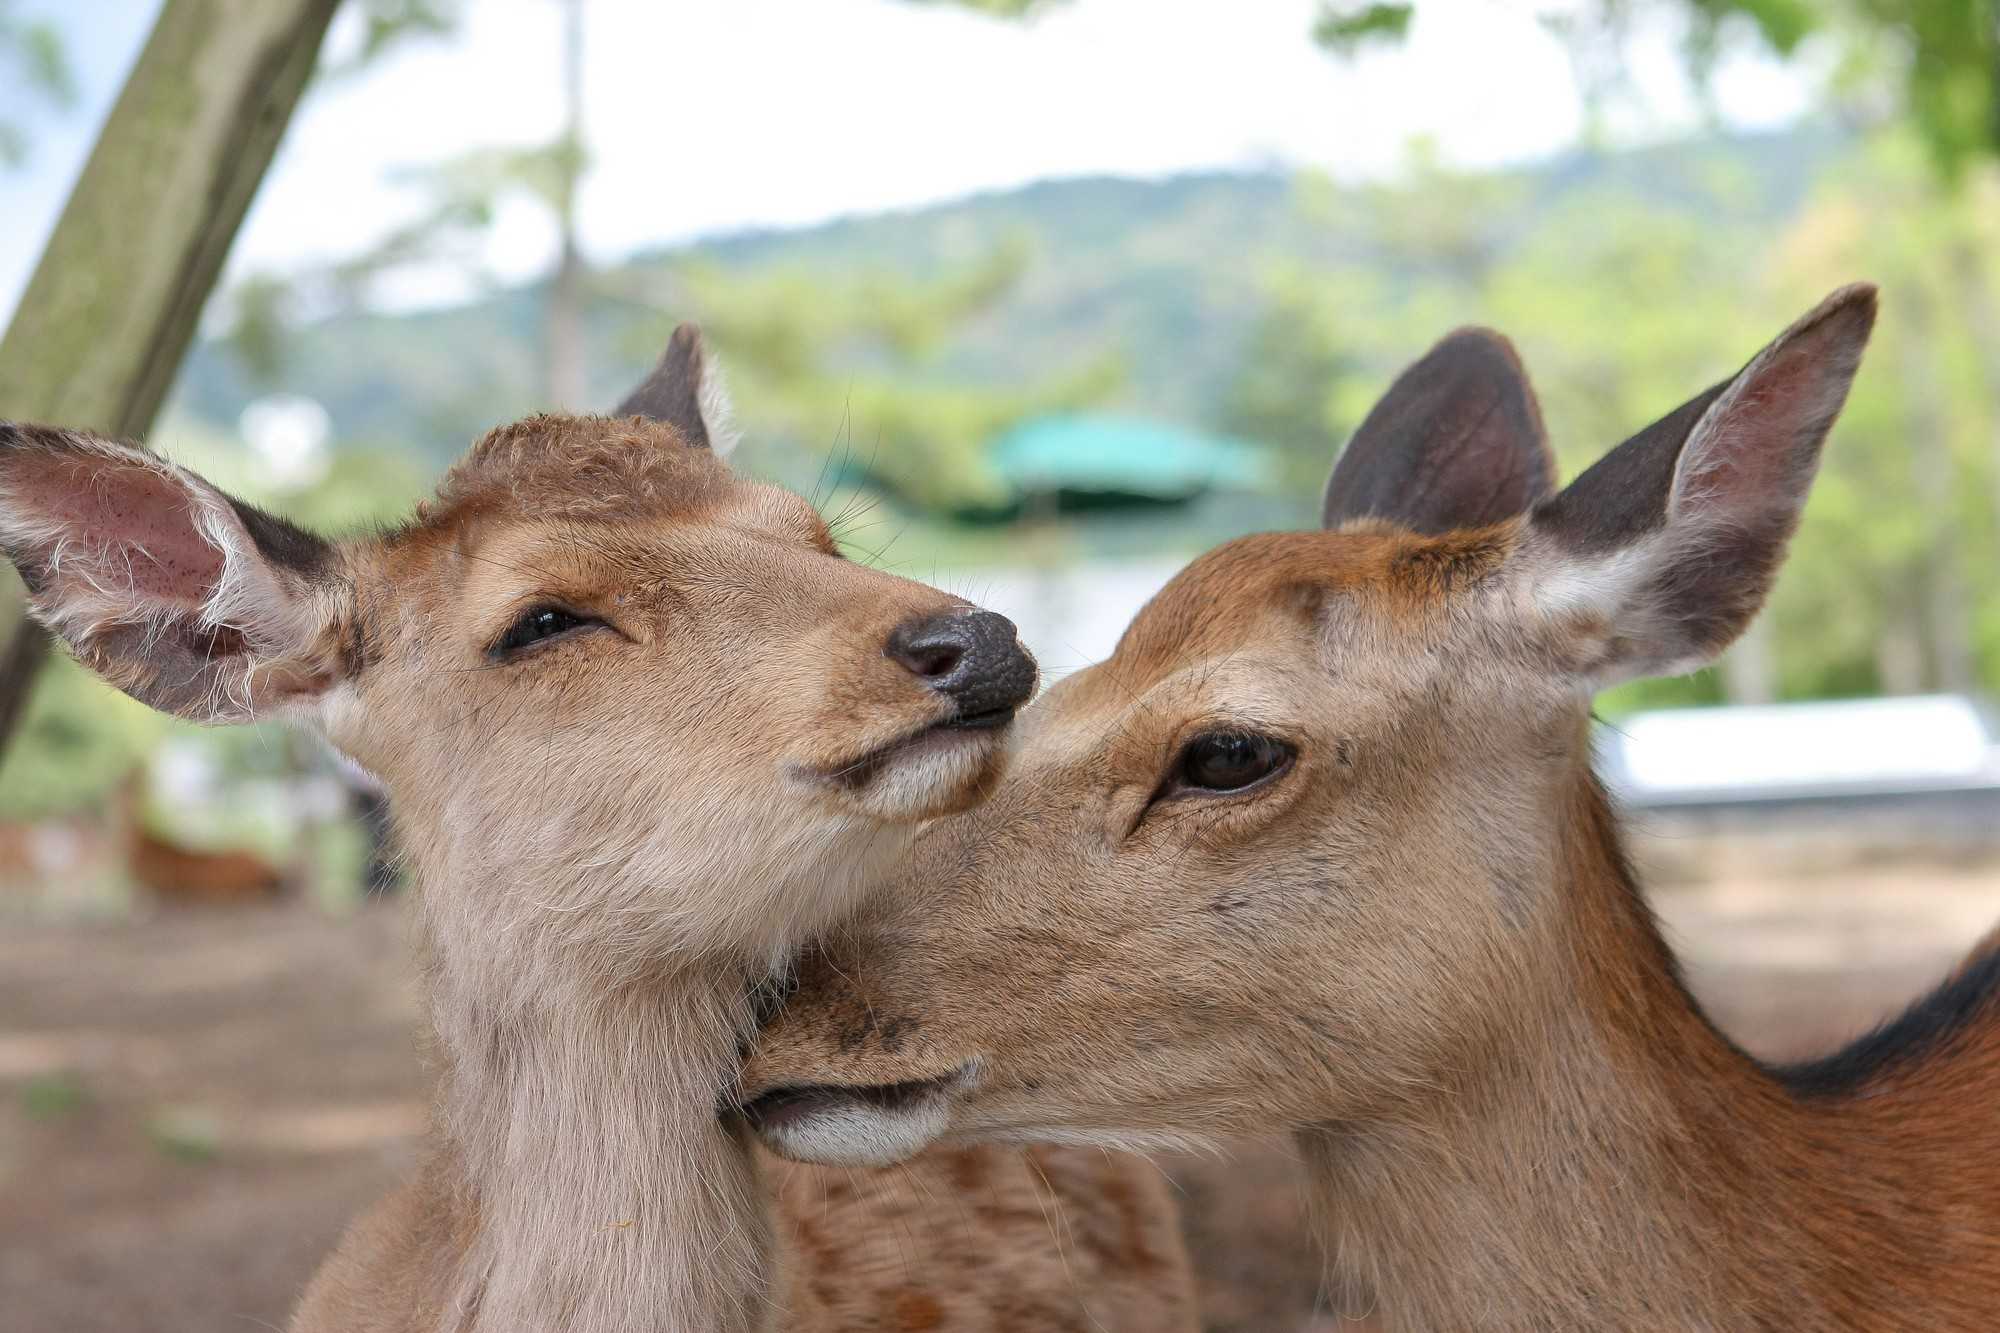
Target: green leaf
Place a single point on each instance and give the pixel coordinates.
(1000, 9)
(1344, 30)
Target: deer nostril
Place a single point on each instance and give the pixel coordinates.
(932, 659)
(972, 657)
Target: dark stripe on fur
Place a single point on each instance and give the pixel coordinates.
(284, 544)
(1928, 1027)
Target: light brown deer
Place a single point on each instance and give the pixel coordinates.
(1319, 850)
(645, 731)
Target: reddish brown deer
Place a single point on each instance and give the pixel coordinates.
(177, 874)
(1319, 850)
(645, 731)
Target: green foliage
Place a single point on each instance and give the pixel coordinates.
(75, 742)
(1028, 288)
(53, 1096)
(1297, 370)
(189, 1134)
(785, 316)
(468, 188)
(1344, 29)
(1000, 9)
(33, 61)
(1942, 57)
(387, 24)
(1939, 59)
(813, 353)
(259, 327)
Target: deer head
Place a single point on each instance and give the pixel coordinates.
(636, 704)
(1320, 838)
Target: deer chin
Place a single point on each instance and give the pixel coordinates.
(940, 768)
(876, 1124)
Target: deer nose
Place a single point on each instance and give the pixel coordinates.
(974, 658)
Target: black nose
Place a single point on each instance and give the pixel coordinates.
(973, 657)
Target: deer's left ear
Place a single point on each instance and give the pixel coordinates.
(183, 597)
(686, 392)
(1657, 557)
(1456, 442)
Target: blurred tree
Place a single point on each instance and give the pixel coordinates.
(808, 351)
(1939, 59)
(806, 348)
(463, 196)
(387, 24)
(1299, 361)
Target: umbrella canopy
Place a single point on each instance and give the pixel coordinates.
(1089, 454)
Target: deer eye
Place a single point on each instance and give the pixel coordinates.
(535, 625)
(1228, 761)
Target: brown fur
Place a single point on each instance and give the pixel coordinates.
(1419, 949)
(185, 875)
(963, 1240)
(191, 875)
(613, 835)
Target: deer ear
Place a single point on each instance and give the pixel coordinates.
(687, 393)
(1658, 556)
(184, 598)
(1456, 442)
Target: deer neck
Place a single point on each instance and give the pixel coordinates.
(596, 1188)
(1615, 1162)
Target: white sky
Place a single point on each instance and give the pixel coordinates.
(707, 117)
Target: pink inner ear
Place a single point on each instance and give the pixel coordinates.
(1762, 446)
(127, 513)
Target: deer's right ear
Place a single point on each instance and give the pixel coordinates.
(686, 392)
(1456, 442)
(184, 598)
(1658, 556)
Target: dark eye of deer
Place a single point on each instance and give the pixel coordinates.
(543, 622)
(1225, 761)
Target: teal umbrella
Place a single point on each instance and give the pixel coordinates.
(1108, 459)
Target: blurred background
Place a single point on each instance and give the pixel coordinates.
(1038, 298)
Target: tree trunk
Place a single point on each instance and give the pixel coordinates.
(26, 646)
(568, 377)
(1750, 667)
(1899, 654)
(108, 315)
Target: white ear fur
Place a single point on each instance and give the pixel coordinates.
(718, 412)
(1657, 557)
(153, 577)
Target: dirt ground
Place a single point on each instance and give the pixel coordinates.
(193, 1103)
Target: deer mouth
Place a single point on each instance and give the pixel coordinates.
(863, 1124)
(956, 731)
